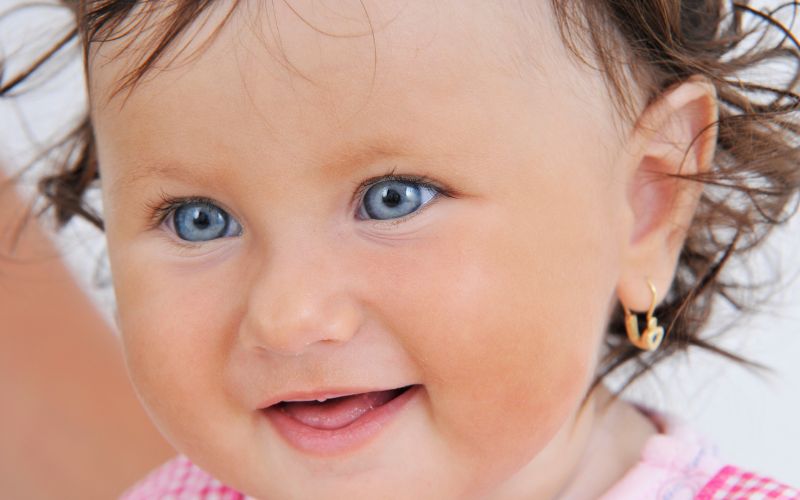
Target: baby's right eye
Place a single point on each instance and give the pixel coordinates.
(203, 221)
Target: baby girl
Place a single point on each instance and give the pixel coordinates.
(382, 249)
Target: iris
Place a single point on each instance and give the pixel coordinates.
(393, 199)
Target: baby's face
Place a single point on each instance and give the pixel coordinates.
(290, 268)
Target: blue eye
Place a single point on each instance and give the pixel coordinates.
(203, 221)
(391, 199)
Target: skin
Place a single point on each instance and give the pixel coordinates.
(494, 299)
(69, 412)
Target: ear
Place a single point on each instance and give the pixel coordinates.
(676, 134)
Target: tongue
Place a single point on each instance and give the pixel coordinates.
(338, 412)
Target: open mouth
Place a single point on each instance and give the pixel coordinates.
(336, 413)
(340, 423)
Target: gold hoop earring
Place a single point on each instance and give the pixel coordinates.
(653, 334)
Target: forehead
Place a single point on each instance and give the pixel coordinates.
(308, 36)
(285, 71)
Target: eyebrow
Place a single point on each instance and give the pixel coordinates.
(350, 157)
(160, 170)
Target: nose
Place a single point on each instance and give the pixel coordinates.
(293, 306)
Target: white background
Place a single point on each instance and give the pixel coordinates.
(755, 420)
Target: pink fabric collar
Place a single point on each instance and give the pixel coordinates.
(675, 464)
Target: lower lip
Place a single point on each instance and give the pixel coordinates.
(342, 440)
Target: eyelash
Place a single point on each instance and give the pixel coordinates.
(420, 180)
(167, 204)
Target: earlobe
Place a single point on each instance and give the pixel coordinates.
(674, 138)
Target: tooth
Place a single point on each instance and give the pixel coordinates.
(322, 400)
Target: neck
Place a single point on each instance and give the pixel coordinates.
(614, 445)
(590, 453)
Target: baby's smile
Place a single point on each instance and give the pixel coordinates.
(337, 421)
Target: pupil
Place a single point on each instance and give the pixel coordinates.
(201, 220)
(392, 198)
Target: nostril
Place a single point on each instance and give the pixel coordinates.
(285, 350)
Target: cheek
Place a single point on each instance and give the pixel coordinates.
(174, 321)
(504, 314)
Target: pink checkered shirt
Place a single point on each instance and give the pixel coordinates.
(732, 483)
(674, 465)
(180, 479)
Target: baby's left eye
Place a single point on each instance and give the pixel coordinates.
(395, 198)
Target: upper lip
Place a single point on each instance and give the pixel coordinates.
(322, 394)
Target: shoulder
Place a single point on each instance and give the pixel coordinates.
(733, 482)
(180, 479)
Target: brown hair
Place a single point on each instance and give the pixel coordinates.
(647, 45)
